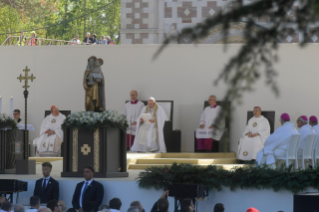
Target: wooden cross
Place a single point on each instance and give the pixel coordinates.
(26, 78)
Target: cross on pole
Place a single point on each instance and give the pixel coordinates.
(26, 77)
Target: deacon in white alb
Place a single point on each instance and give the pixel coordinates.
(51, 135)
(304, 130)
(208, 131)
(131, 111)
(277, 143)
(254, 136)
(150, 136)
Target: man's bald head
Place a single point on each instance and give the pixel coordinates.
(134, 95)
(212, 100)
(45, 210)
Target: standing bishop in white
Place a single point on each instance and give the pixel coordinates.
(131, 111)
(277, 143)
(51, 135)
(150, 126)
(254, 136)
(208, 134)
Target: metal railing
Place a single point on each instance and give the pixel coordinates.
(14, 41)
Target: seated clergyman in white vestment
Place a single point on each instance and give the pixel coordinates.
(150, 126)
(277, 143)
(254, 136)
(208, 134)
(304, 129)
(51, 135)
(131, 111)
(313, 122)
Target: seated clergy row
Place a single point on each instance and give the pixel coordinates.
(145, 133)
(257, 143)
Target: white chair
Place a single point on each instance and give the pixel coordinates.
(291, 153)
(307, 152)
(315, 151)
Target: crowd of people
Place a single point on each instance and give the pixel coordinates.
(92, 40)
(88, 197)
(22, 40)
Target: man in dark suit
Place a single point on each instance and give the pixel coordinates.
(88, 190)
(88, 39)
(46, 188)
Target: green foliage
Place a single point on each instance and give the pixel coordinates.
(7, 121)
(238, 178)
(92, 120)
(42, 13)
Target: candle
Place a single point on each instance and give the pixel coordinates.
(0, 104)
(11, 106)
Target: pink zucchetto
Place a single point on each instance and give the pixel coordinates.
(313, 119)
(305, 118)
(285, 117)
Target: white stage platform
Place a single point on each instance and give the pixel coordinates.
(127, 190)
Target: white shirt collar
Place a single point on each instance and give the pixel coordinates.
(89, 182)
(48, 178)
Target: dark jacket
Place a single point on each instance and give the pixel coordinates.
(50, 192)
(94, 193)
(90, 40)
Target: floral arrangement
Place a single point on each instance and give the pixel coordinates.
(7, 121)
(92, 120)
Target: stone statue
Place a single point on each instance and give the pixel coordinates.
(93, 82)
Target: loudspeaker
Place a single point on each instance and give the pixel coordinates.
(307, 202)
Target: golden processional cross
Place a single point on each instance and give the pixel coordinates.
(26, 78)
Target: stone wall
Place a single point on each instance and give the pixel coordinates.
(150, 21)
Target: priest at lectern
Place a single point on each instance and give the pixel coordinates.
(51, 135)
(150, 126)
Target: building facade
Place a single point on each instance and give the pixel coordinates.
(151, 21)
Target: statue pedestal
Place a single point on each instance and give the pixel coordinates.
(104, 149)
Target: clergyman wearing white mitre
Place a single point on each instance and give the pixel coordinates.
(51, 135)
(150, 126)
(254, 136)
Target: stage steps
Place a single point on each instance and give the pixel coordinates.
(140, 161)
(187, 160)
(144, 166)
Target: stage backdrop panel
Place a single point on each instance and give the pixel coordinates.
(183, 73)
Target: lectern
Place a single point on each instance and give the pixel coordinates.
(103, 148)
